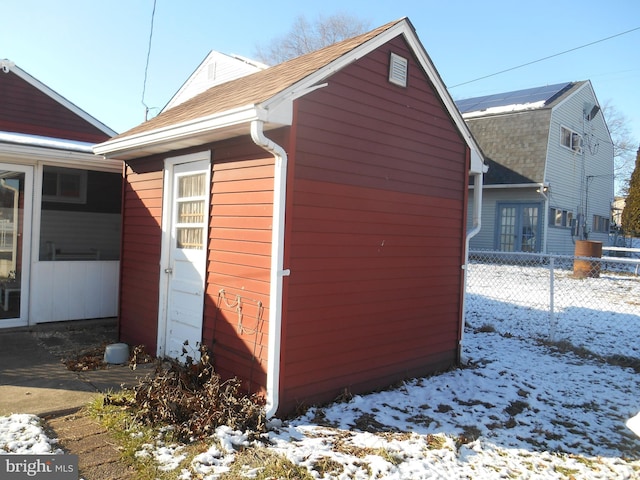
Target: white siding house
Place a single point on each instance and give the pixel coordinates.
(215, 69)
(550, 178)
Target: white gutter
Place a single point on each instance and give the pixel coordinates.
(277, 264)
(509, 186)
(476, 224)
(46, 142)
(28, 155)
(168, 134)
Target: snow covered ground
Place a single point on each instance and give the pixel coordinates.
(601, 314)
(520, 409)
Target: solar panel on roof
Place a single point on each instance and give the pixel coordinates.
(517, 97)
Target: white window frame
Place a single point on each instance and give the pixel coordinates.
(561, 218)
(570, 139)
(58, 197)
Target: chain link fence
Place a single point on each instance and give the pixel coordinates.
(591, 303)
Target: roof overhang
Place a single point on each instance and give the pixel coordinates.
(277, 111)
(220, 126)
(30, 150)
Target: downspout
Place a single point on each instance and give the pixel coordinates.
(542, 190)
(475, 228)
(277, 264)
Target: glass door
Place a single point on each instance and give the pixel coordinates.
(15, 220)
(518, 228)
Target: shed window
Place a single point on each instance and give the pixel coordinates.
(398, 70)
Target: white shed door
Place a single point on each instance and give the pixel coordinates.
(185, 253)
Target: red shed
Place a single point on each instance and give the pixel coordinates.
(307, 220)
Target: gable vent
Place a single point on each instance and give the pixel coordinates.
(398, 70)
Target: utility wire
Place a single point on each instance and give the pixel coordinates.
(146, 68)
(545, 58)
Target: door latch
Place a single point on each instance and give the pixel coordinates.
(168, 270)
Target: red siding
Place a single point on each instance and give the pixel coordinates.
(140, 261)
(239, 261)
(377, 232)
(238, 266)
(25, 109)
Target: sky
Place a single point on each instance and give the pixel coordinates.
(94, 53)
(520, 410)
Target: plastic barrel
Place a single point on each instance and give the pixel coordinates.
(587, 268)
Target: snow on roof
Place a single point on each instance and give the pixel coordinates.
(516, 107)
(516, 100)
(45, 142)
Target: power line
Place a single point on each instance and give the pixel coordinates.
(146, 68)
(546, 58)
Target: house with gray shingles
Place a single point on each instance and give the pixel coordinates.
(550, 177)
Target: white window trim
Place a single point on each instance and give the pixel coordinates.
(81, 198)
(573, 148)
(565, 218)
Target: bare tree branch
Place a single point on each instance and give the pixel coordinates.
(305, 36)
(623, 146)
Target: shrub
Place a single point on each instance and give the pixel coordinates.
(194, 400)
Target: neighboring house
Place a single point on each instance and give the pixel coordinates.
(616, 210)
(215, 69)
(307, 221)
(550, 177)
(59, 207)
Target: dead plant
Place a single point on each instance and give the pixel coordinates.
(194, 400)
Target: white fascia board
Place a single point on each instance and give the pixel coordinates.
(309, 83)
(180, 131)
(30, 155)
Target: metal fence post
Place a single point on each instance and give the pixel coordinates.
(552, 317)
